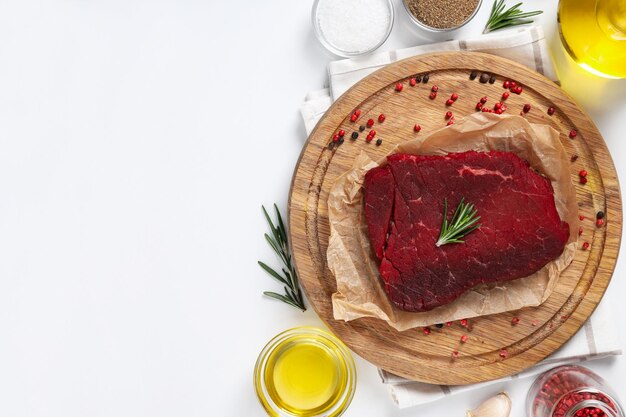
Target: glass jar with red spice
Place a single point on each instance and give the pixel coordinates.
(571, 391)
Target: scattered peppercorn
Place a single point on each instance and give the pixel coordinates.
(381, 118)
(506, 84)
(585, 245)
(353, 117)
(342, 133)
(454, 97)
(448, 114)
(357, 112)
(486, 110)
(379, 142)
(526, 108)
(372, 133)
(449, 102)
(361, 128)
(581, 217)
(464, 338)
(432, 95)
(340, 140)
(483, 99)
(426, 330)
(600, 222)
(417, 127)
(331, 145)
(515, 320)
(574, 158)
(354, 135)
(497, 106)
(370, 122)
(573, 133)
(448, 323)
(484, 77)
(450, 122)
(434, 89)
(425, 78)
(473, 75)
(412, 82)
(517, 90)
(464, 322)
(439, 325)
(418, 79)
(455, 353)
(498, 111)
(505, 95)
(335, 137)
(583, 180)
(600, 215)
(492, 79)
(479, 105)
(580, 231)
(582, 173)
(512, 84)
(504, 354)
(550, 111)
(399, 87)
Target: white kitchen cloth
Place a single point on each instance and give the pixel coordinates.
(527, 46)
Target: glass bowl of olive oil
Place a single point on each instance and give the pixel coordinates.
(305, 372)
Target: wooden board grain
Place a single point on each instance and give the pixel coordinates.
(542, 329)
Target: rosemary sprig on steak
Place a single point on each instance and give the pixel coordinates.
(512, 16)
(279, 243)
(463, 222)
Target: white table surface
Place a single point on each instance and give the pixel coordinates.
(138, 140)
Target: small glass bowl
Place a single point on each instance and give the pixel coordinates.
(568, 389)
(337, 50)
(334, 351)
(427, 28)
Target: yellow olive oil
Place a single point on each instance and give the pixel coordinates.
(305, 373)
(593, 33)
(303, 377)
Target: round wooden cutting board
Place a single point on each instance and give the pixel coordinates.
(495, 347)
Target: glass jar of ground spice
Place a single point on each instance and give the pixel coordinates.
(441, 15)
(571, 391)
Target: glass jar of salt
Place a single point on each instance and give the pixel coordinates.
(352, 27)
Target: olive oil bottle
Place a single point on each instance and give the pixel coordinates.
(593, 33)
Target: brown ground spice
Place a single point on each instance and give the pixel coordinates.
(442, 14)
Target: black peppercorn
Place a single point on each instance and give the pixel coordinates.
(484, 77)
(379, 142)
(354, 135)
(492, 79)
(425, 78)
(473, 75)
(600, 215)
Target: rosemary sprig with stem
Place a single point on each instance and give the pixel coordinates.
(463, 222)
(279, 244)
(513, 16)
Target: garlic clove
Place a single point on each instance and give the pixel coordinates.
(497, 406)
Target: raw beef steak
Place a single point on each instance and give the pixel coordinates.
(404, 202)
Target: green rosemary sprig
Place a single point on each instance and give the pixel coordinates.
(463, 222)
(279, 243)
(512, 16)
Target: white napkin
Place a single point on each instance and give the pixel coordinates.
(527, 46)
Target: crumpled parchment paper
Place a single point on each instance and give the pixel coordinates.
(360, 291)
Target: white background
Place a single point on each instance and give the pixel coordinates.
(138, 140)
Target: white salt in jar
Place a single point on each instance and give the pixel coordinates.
(352, 27)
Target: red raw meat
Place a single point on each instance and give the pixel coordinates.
(520, 228)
